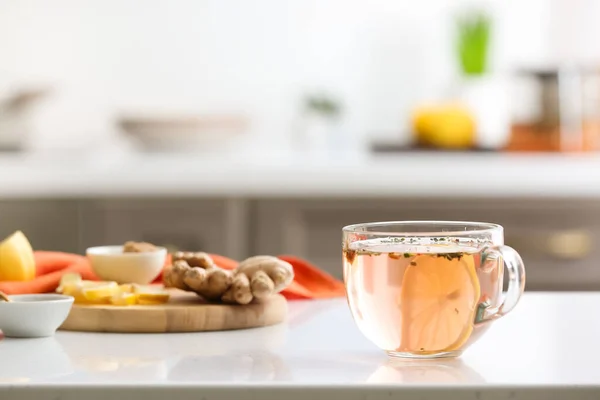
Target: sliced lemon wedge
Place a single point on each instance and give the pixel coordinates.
(69, 283)
(108, 292)
(126, 288)
(135, 288)
(152, 298)
(100, 293)
(150, 295)
(16, 258)
(79, 298)
(123, 299)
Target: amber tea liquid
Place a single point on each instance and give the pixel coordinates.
(420, 296)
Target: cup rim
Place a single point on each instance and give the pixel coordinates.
(479, 228)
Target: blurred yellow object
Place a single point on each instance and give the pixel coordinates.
(449, 126)
(109, 292)
(126, 288)
(100, 293)
(69, 283)
(123, 299)
(148, 295)
(16, 258)
(73, 285)
(152, 298)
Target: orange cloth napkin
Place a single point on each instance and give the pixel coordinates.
(309, 281)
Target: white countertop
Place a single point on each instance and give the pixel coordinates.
(281, 175)
(546, 348)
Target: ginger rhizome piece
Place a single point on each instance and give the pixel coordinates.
(255, 278)
(138, 247)
(198, 273)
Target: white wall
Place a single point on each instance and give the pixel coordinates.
(256, 56)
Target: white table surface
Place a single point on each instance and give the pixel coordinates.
(276, 175)
(547, 348)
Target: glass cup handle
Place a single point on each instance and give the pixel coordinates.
(516, 281)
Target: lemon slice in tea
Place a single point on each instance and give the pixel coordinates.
(438, 302)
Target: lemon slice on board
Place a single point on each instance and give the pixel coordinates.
(123, 299)
(100, 293)
(152, 298)
(16, 258)
(438, 303)
(69, 283)
(150, 294)
(109, 292)
(126, 288)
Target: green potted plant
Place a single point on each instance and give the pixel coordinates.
(321, 119)
(473, 42)
(484, 92)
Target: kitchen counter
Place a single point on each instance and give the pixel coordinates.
(545, 349)
(295, 175)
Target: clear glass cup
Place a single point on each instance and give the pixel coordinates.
(425, 289)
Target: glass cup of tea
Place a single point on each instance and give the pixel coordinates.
(427, 289)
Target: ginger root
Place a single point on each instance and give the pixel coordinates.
(279, 271)
(239, 291)
(197, 272)
(199, 259)
(173, 275)
(138, 247)
(261, 285)
(255, 278)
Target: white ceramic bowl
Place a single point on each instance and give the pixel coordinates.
(183, 133)
(111, 264)
(34, 315)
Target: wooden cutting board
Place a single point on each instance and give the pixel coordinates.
(185, 312)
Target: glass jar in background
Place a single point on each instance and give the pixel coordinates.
(556, 109)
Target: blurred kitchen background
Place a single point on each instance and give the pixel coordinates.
(262, 127)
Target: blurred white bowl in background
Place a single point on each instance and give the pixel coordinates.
(182, 133)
